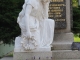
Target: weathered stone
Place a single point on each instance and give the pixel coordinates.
(66, 54)
(32, 55)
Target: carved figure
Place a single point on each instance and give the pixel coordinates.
(36, 29)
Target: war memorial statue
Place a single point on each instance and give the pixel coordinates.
(37, 30)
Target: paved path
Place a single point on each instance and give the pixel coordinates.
(7, 58)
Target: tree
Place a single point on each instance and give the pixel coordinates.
(76, 19)
(75, 3)
(9, 10)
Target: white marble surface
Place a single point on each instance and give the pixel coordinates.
(37, 30)
(33, 55)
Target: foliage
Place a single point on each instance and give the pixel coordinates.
(75, 3)
(76, 19)
(76, 38)
(9, 10)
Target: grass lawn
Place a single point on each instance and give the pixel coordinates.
(76, 39)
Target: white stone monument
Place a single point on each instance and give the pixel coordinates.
(37, 31)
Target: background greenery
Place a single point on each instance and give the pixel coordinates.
(9, 10)
(76, 38)
(76, 21)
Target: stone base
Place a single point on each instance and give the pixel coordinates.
(37, 49)
(66, 59)
(32, 55)
(65, 54)
(62, 41)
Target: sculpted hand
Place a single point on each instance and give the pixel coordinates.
(28, 35)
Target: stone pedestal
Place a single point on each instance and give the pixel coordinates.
(33, 55)
(63, 38)
(62, 41)
(61, 45)
(66, 54)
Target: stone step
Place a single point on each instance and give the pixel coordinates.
(66, 59)
(11, 58)
(62, 41)
(37, 55)
(62, 45)
(68, 37)
(65, 54)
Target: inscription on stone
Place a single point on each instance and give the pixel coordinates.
(57, 11)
